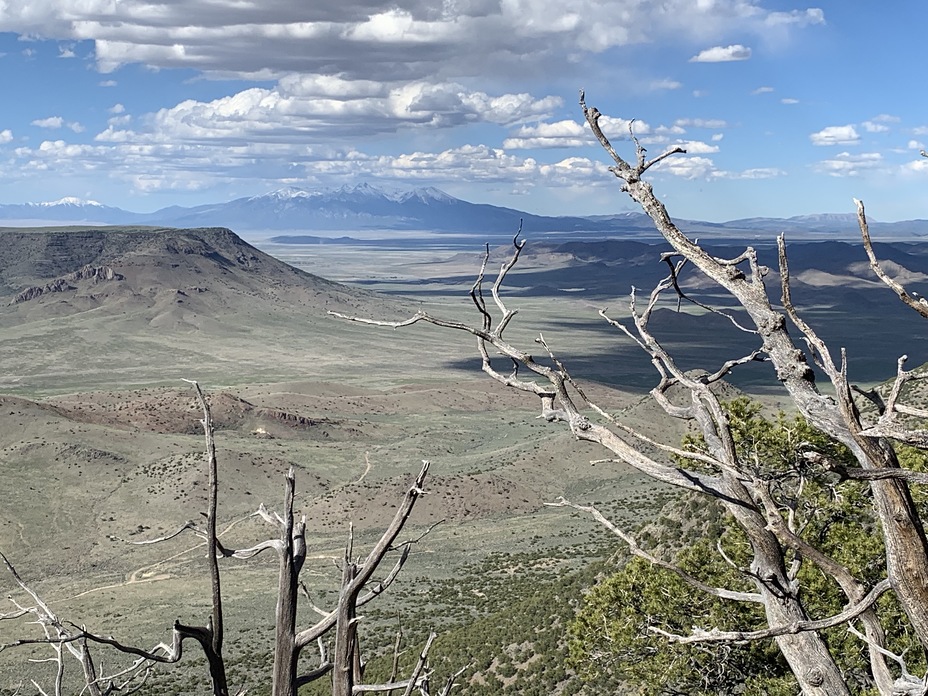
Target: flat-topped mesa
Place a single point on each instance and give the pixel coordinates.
(37, 263)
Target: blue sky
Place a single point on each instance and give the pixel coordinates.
(785, 108)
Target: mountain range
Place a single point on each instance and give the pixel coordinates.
(367, 208)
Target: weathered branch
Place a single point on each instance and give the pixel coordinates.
(636, 550)
(716, 636)
(919, 304)
(369, 566)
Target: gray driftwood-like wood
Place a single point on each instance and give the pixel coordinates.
(717, 471)
(838, 416)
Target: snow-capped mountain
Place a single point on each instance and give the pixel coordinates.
(65, 210)
(367, 207)
(69, 201)
(360, 207)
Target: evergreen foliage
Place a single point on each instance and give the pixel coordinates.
(611, 642)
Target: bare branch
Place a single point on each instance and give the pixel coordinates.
(641, 553)
(919, 304)
(716, 636)
(167, 537)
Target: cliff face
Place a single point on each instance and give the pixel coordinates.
(96, 274)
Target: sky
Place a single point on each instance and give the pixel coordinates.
(785, 108)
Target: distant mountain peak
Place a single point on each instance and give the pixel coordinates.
(366, 189)
(428, 194)
(286, 193)
(71, 201)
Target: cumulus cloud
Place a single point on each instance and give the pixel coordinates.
(549, 135)
(50, 122)
(919, 166)
(688, 167)
(337, 72)
(6, 135)
(376, 38)
(880, 123)
(573, 134)
(848, 164)
(697, 147)
(314, 109)
(762, 90)
(722, 54)
(789, 100)
(836, 135)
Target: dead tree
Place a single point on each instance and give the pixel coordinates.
(718, 472)
(838, 416)
(357, 589)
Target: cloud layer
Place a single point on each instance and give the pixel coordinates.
(467, 92)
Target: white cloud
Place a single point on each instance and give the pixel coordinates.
(812, 15)
(789, 100)
(762, 90)
(66, 52)
(716, 137)
(847, 164)
(117, 109)
(722, 54)
(50, 122)
(919, 166)
(875, 127)
(665, 83)
(670, 130)
(567, 134)
(701, 123)
(688, 167)
(758, 173)
(380, 39)
(697, 147)
(916, 145)
(6, 135)
(836, 135)
(350, 72)
(313, 110)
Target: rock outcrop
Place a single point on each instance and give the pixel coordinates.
(97, 274)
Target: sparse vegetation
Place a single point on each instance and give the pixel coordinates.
(507, 611)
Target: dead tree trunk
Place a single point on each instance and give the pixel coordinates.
(291, 557)
(903, 534)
